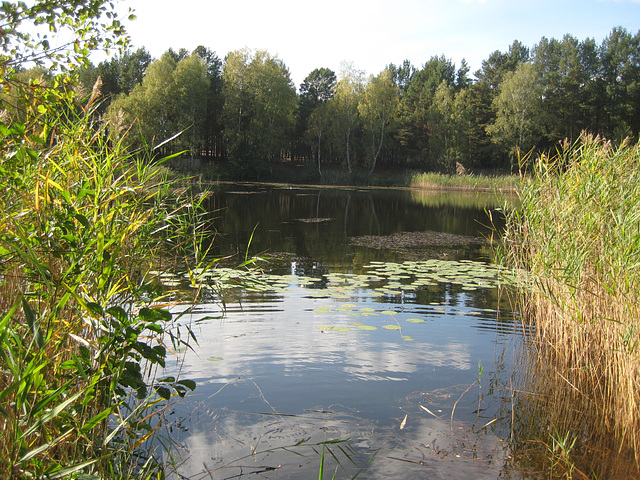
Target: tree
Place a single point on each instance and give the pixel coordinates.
(562, 78)
(620, 62)
(378, 106)
(319, 86)
(450, 124)
(417, 121)
(402, 75)
(346, 101)
(486, 153)
(92, 23)
(518, 108)
(258, 111)
(170, 101)
(319, 124)
(119, 75)
(191, 89)
(317, 89)
(211, 127)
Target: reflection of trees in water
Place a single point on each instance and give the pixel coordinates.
(277, 214)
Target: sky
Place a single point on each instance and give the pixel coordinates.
(370, 34)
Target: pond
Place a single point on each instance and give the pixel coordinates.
(371, 340)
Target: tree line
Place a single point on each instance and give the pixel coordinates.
(245, 110)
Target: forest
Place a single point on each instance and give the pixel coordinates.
(244, 112)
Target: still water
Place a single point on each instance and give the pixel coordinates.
(374, 323)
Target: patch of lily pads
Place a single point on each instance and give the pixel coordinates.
(379, 279)
(384, 319)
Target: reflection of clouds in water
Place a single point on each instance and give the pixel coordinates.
(292, 341)
(234, 443)
(427, 447)
(299, 366)
(388, 362)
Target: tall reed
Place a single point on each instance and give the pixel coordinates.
(575, 239)
(82, 325)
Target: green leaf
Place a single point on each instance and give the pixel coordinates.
(164, 392)
(95, 420)
(118, 313)
(95, 309)
(34, 324)
(190, 384)
(53, 413)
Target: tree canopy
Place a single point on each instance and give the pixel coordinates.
(245, 111)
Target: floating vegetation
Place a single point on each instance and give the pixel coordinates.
(215, 359)
(416, 240)
(380, 279)
(313, 220)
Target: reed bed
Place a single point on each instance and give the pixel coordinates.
(502, 183)
(575, 239)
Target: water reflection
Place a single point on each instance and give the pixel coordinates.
(291, 367)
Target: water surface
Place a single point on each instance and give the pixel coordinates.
(395, 347)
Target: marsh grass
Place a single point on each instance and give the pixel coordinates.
(83, 327)
(576, 241)
(437, 181)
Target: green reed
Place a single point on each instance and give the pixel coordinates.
(436, 181)
(575, 239)
(83, 327)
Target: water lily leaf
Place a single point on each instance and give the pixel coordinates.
(391, 327)
(415, 320)
(367, 309)
(388, 312)
(355, 324)
(367, 327)
(341, 329)
(214, 359)
(407, 338)
(325, 327)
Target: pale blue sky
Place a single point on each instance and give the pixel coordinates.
(370, 33)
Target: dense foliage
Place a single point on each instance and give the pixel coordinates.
(245, 110)
(84, 326)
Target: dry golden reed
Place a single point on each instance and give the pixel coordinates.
(576, 240)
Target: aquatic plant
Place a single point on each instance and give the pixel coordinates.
(576, 242)
(83, 328)
(505, 183)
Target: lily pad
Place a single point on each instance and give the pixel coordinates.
(415, 320)
(341, 329)
(367, 327)
(215, 359)
(391, 327)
